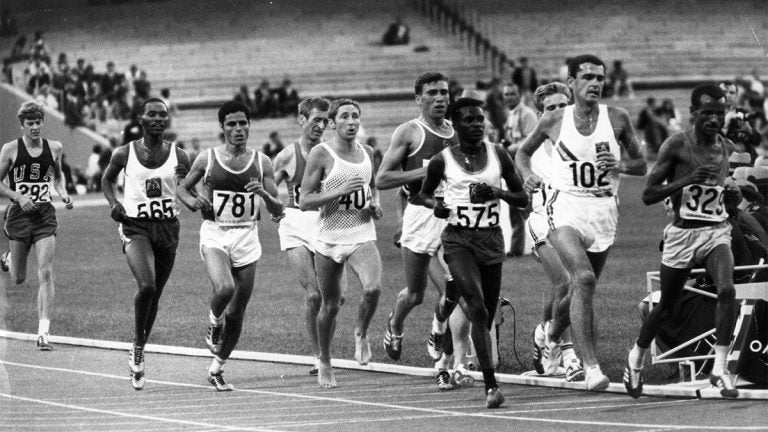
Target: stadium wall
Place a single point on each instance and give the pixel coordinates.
(77, 142)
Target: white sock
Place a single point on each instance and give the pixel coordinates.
(444, 363)
(437, 326)
(592, 370)
(636, 357)
(721, 359)
(214, 320)
(569, 354)
(539, 337)
(216, 365)
(43, 326)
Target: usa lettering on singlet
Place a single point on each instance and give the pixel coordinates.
(32, 176)
(432, 143)
(233, 206)
(343, 221)
(574, 161)
(150, 193)
(703, 202)
(464, 213)
(294, 184)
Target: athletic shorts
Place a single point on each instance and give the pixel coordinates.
(595, 218)
(299, 228)
(686, 247)
(487, 245)
(163, 234)
(421, 230)
(337, 252)
(29, 227)
(240, 243)
(538, 223)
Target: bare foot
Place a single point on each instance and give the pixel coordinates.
(325, 374)
(362, 349)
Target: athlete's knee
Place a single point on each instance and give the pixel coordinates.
(146, 289)
(226, 288)
(726, 293)
(314, 299)
(414, 297)
(45, 274)
(585, 280)
(478, 313)
(330, 307)
(372, 293)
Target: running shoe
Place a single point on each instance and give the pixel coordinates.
(435, 345)
(550, 358)
(5, 261)
(218, 381)
(313, 370)
(633, 381)
(136, 365)
(725, 383)
(444, 381)
(595, 379)
(393, 343)
(213, 338)
(42, 342)
(493, 398)
(574, 371)
(461, 377)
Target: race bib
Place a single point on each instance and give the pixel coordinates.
(156, 209)
(357, 200)
(37, 192)
(235, 208)
(703, 203)
(476, 215)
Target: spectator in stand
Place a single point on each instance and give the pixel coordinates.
(7, 24)
(130, 77)
(244, 98)
(289, 98)
(397, 33)
(92, 170)
(66, 171)
(563, 71)
(36, 74)
(263, 101)
(142, 88)
(618, 82)
(46, 98)
(524, 77)
(110, 80)
(19, 50)
(496, 106)
(40, 48)
(273, 146)
(653, 127)
(670, 116)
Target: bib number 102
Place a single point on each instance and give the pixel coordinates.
(584, 175)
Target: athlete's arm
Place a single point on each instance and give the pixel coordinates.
(268, 189)
(435, 171)
(282, 164)
(311, 198)
(375, 205)
(515, 195)
(531, 144)
(182, 169)
(59, 183)
(7, 155)
(669, 156)
(390, 174)
(634, 163)
(186, 192)
(116, 164)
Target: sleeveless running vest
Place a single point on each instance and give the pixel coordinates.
(32, 176)
(342, 220)
(431, 144)
(464, 213)
(294, 183)
(702, 202)
(574, 159)
(150, 193)
(232, 204)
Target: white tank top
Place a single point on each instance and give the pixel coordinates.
(342, 220)
(457, 180)
(573, 157)
(150, 193)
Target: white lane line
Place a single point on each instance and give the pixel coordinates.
(408, 408)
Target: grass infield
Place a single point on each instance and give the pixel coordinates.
(94, 292)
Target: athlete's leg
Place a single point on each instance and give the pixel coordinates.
(719, 264)
(365, 262)
(45, 249)
(164, 261)
(303, 262)
(18, 264)
(415, 265)
(141, 261)
(460, 328)
(558, 298)
(235, 310)
(672, 281)
(329, 274)
(219, 268)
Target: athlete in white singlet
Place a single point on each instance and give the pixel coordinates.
(298, 229)
(235, 181)
(588, 140)
(147, 219)
(692, 169)
(339, 181)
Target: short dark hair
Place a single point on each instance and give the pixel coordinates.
(426, 78)
(454, 112)
(319, 103)
(338, 103)
(711, 90)
(576, 62)
(230, 107)
(151, 100)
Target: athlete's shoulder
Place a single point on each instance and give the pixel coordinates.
(617, 113)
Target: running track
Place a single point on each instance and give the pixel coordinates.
(78, 388)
